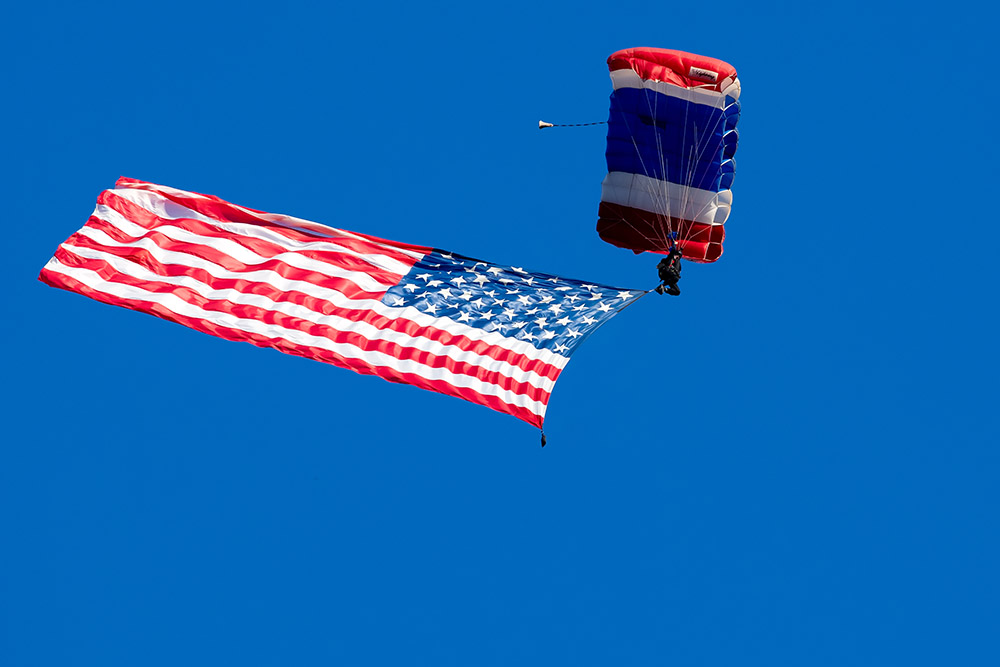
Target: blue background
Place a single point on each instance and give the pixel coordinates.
(794, 463)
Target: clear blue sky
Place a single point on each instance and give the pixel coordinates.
(794, 463)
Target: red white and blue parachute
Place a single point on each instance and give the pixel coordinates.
(671, 141)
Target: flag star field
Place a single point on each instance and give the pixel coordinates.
(549, 312)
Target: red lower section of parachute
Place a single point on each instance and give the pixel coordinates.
(642, 231)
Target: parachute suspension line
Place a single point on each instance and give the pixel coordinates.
(699, 147)
(668, 224)
(666, 227)
(542, 124)
(691, 158)
(659, 239)
(666, 234)
(666, 230)
(691, 163)
(671, 233)
(661, 194)
(696, 147)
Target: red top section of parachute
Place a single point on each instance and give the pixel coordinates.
(680, 68)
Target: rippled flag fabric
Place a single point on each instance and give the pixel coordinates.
(488, 333)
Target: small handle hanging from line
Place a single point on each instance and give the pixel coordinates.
(542, 124)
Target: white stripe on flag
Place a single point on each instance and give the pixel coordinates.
(177, 305)
(333, 296)
(169, 210)
(334, 322)
(227, 247)
(288, 221)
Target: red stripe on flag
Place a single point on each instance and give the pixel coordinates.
(62, 281)
(264, 248)
(219, 209)
(258, 313)
(322, 306)
(316, 291)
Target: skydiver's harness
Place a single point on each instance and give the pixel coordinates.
(669, 269)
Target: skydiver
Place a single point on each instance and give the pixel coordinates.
(669, 269)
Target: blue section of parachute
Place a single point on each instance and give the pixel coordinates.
(671, 139)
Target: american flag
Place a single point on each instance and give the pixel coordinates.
(491, 334)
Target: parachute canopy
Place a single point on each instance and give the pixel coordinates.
(671, 141)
